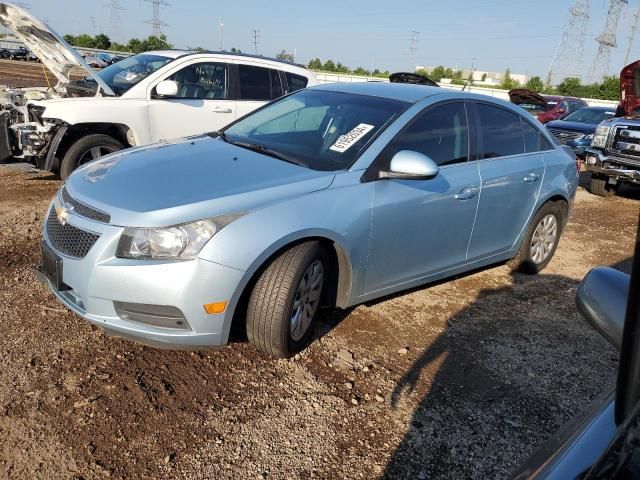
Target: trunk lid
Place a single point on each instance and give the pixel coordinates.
(54, 52)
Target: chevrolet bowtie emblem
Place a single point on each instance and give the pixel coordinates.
(62, 214)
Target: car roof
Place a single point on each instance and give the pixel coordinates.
(176, 53)
(403, 92)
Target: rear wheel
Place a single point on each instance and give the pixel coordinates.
(600, 186)
(285, 300)
(541, 240)
(86, 149)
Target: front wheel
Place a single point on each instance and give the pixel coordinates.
(541, 240)
(600, 186)
(86, 149)
(285, 300)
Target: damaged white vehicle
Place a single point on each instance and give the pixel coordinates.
(142, 99)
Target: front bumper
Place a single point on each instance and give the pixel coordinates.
(615, 167)
(99, 279)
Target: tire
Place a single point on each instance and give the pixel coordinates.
(532, 257)
(83, 151)
(599, 186)
(271, 309)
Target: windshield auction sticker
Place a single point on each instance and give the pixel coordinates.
(348, 139)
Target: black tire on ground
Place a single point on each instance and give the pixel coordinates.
(599, 186)
(524, 261)
(271, 304)
(83, 147)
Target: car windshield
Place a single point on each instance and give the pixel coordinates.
(126, 73)
(318, 129)
(589, 115)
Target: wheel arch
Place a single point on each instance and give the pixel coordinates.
(560, 199)
(76, 131)
(341, 273)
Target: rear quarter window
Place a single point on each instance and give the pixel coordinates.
(296, 82)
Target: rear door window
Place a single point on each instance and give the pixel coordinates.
(534, 140)
(258, 83)
(501, 132)
(296, 82)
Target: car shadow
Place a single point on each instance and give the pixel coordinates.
(487, 396)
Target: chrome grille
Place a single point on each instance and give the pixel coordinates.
(67, 239)
(85, 210)
(565, 136)
(627, 140)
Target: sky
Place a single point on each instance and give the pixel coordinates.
(494, 35)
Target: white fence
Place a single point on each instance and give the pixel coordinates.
(324, 77)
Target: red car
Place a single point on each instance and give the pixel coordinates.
(545, 107)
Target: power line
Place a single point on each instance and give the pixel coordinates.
(607, 40)
(155, 22)
(256, 36)
(570, 50)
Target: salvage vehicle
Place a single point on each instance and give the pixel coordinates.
(414, 78)
(576, 130)
(142, 99)
(95, 62)
(20, 53)
(333, 195)
(614, 155)
(602, 441)
(545, 108)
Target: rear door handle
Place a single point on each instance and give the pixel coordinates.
(530, 178)
(467, 193)
(222, 110)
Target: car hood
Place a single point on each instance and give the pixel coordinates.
(630, 89)
(188, 179)
(521, 96)
(573, 126)
(54, 52)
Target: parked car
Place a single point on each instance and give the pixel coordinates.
(545, 108)
(145, 98)
(408, 77)
(105, 57)
(576, 129)
(602, 441)
(336, 194)
(5, 53)
(95, 61)
(20, 53)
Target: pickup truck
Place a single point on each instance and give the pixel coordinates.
(614, 155)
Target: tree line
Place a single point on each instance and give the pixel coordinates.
(607, 89)
(103, 42)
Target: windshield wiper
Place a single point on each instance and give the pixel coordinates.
(256, 147)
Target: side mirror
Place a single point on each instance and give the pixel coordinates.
(410, 165)
(602, 301)
(167, 88)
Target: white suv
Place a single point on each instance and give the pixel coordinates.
(145, 98)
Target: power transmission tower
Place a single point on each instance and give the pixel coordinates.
(607, 40)
(155, 22)
(115, 20)
(568, 58)
(256, 36)
(632, 37)
(413, 46)
(92, 22)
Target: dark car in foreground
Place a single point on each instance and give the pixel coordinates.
(576, 129)
(603, 441)
(545, 108)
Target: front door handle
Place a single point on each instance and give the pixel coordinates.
(467, 193)
(531, 177)
(222, 110)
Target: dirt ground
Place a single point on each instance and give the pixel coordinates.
(463, 379)
(18, 73)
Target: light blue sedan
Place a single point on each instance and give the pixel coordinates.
(333, 195)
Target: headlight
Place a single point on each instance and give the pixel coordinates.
(600, 137)
(179, 242)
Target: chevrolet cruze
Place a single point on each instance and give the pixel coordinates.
(333, 195)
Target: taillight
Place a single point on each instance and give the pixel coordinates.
(578, 163)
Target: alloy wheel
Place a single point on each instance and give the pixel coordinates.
(306, 300)
(544, 238)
